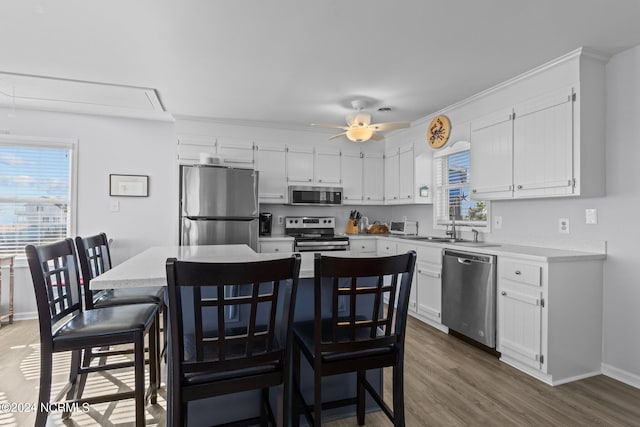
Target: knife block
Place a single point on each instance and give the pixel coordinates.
(352, 227)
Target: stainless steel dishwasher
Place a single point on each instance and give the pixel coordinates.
(469, 295)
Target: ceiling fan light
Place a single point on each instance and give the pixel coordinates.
(359, 134)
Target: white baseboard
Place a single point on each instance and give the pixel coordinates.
(29, 315)
(623, 376)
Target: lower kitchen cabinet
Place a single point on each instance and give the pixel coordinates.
(363, 245)
(428, 284)
(549, 319)
(273, 246)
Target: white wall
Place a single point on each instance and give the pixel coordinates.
(109, 145)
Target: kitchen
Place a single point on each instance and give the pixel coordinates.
(127, 145)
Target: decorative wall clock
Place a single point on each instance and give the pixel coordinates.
(438, 132)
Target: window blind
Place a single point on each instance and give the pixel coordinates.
(452, 194)
(35, 195)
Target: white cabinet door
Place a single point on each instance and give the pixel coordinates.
(189, 149)
(270, 160)
(519, 325)
(327, 167)
(373, 178)
(520, 304)
(236, 154)
(392, 177)
(351, 165)
(276, 247)
(492, 156)
(429, 289)
(299, 165)
(543, 146)
(406, 176)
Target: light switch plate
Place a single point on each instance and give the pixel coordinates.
(563, 225)
(280, 219)
(114, 206)
(497, 222)
(591, 216)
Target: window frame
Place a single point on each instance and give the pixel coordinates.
(456, 148)
(49, 142)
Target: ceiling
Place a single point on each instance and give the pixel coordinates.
(294, 62)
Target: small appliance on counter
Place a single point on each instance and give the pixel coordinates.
(265, 219)
(404, 227)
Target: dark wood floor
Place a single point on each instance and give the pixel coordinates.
(447, 383)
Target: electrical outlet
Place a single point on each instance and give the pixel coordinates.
(280, 219)
(591, 216)
(497, 222)
(114, 205)
(563, 225)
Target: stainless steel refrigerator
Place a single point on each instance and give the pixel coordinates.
(218, 205)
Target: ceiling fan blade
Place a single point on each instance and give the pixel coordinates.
(322, 125)
(337, 136)
(389, 126)
(377, 137)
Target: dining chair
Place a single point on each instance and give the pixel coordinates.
(230, 332)
(356, 331)
(65, 326)
(94, 256)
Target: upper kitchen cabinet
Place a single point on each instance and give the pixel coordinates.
(270, 161)
(406, 180)
(373, 178)
(235, 153)
(327, 166)
(392, 176)
(299, 165)
(545, 145)
(190, 149)
(491, 156)
(351, 166)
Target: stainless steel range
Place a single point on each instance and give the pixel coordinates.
(314, 234)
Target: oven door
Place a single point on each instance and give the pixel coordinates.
(308, 251)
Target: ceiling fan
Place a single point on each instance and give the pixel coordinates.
(359, 127)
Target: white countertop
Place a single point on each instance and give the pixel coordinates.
(148, 269)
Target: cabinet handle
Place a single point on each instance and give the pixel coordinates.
(277, 250)
(518, 272)
(519, 187)
(474, 191)
(368, 198)
(503, 293)
(319, 180)
(310, 180)
(282, 196)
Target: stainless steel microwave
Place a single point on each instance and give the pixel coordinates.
(318, 196)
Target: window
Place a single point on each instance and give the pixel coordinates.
(452, 190)
(36, 191)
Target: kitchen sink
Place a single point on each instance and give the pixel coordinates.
(438, 239)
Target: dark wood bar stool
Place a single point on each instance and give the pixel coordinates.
(361, 335)
(95, 258)
(230, 332)
(65, 326)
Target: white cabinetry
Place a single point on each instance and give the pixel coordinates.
(327, 166)
(235, 153)
(299, 165)
(428, 284)
(363, 245)
(543, 146)
(545, 143)
(492, 156)
(276, 246)
(270, 160)
(189, 149)
(373, 178)
(406, 174)
(352, 177)
(392, 176)
(549, 321)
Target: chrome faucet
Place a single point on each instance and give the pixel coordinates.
(475, 235)
(452, 233)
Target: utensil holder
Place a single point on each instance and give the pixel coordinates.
(352, 227)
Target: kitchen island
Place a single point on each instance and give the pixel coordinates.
(147, 269)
